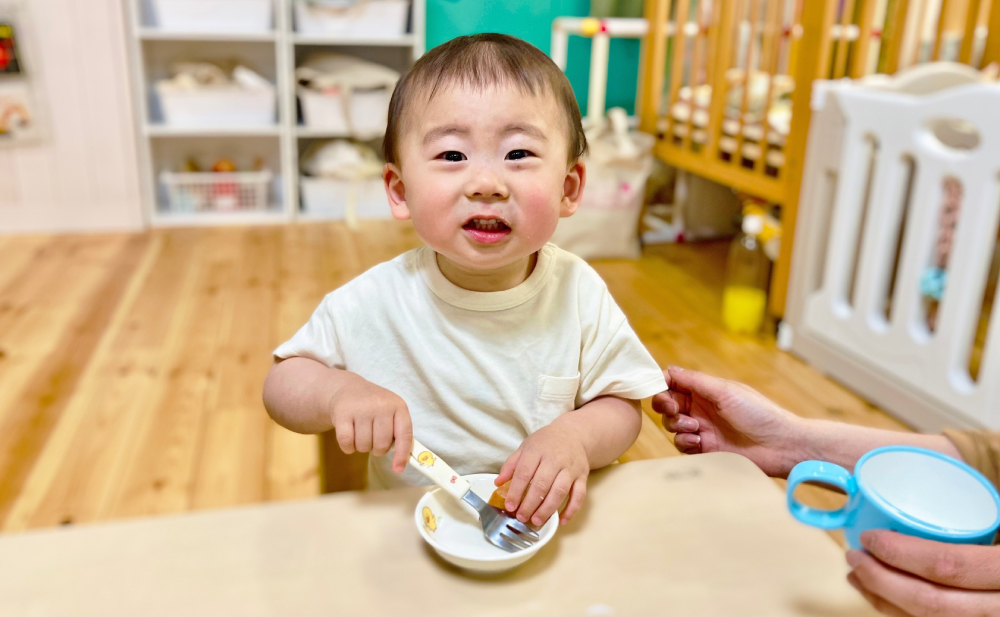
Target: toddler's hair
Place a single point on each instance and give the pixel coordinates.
(483, 61)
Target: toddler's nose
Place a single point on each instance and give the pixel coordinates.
(486, 183)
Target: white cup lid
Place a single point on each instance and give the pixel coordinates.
(929, 489)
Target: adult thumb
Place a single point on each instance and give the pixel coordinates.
(695, 382)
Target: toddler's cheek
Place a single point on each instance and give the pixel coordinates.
(540, 212)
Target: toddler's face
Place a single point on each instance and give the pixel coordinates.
(484, 175)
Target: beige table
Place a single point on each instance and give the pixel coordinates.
(706, 535)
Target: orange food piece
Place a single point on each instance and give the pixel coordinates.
(499, 496)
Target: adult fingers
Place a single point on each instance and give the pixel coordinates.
(523, 473)
(965, 566)
(381, 435)
(402, 435)
(681, 424)
(886, 608)
(576, 497)
(539, 487)
(913, 595)
(671, 375)
(688, 443)
(664, 404)
(672, 403)
(557, 494)
(696, 383)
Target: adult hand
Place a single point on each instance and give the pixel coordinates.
(709, 414)
(904, 576)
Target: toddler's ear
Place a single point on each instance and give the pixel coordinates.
(395, 191)
(576, 178)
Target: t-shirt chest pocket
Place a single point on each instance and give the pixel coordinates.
(556, 396)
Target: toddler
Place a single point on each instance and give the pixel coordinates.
(498, 351)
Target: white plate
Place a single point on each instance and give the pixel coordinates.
(455, 533)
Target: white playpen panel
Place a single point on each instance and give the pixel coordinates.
(853, 193)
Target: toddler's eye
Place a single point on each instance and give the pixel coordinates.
(516, 155)
(452, 155)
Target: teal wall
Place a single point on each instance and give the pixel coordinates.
(531, 20)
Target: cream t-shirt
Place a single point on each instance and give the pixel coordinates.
(479, 371)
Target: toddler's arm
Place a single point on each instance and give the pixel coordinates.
(557, 459)
(306, 396)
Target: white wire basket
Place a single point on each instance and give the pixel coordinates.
(217, 192)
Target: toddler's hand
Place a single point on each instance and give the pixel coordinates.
(369, 418)
(553, 460)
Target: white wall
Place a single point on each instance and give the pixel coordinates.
(84, 174)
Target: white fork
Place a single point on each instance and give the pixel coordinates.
(499, 526)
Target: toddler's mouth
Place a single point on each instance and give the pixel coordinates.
(487, 230)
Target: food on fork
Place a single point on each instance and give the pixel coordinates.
(499, 496)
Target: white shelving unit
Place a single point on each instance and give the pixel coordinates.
(274, 55)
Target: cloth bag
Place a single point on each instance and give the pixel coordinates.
(619, 163)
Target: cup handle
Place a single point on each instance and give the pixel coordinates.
(827, 473)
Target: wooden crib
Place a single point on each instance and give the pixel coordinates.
(726, 84)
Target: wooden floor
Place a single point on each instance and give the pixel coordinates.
(131, 365)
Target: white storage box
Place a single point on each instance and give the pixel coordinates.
(213, 15)
(336, 199)
(364, 115)
(217, 107)
(366, 18)
(218, 192)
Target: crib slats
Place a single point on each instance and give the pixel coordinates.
(843, 43)
(942, 26)
(862, 47)
(654, 58)
(694, 79)
(817, 17)
(679, 51)
(723, 51)
(749, 65)
(969, 36)
(992, 51)
(894, 36)
(769, 59)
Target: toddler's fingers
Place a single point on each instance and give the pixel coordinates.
(345, 436)
(507, 471)
(523, 473)
(688, 443)
(402, 433)
(382, 435)
(541, 482)
(363, 434)
(576, 497)
(557, 494)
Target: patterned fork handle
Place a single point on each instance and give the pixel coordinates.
(438, 471)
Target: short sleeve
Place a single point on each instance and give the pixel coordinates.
(613, 361)
(318, 339)
(980, 449)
